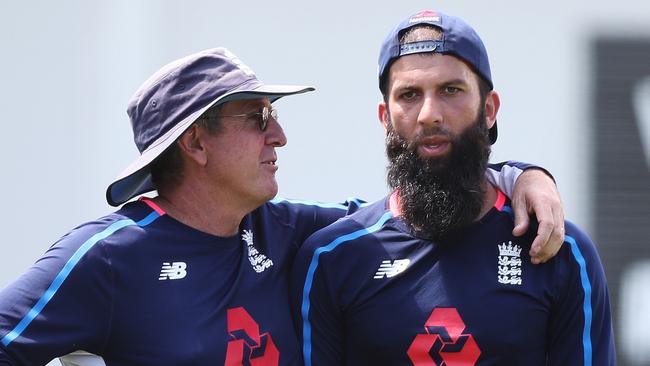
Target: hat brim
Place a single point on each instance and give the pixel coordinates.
(136, 178)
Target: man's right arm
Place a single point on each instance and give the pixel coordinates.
(307, 217)
(58, 305)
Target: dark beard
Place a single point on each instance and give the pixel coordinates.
(442, 195)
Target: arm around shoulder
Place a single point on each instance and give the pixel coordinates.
(533, 191)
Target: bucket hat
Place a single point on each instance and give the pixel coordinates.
(175, 97)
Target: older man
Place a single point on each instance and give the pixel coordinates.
(197, 275)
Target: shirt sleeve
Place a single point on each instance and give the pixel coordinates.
(580, 330)
(307, 217)
(59, 305)
(504, 175)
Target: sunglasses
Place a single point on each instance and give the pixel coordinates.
(262, 117)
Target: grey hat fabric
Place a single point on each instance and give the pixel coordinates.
(173, 98)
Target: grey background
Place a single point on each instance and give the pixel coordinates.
(622, 201)
(68, 68)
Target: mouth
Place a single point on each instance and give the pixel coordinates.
(270, 164)
(433, 146)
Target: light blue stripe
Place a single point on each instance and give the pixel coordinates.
(306, 325)
(359, 202)
(508, 210)
(65, 271)
(320, 204)
(586, 306)
(149, 219)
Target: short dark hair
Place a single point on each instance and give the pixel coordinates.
(167, 170)
(426, 32)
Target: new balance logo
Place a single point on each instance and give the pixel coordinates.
(388, 269)
(173, 271)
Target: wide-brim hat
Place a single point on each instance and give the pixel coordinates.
(175, 97)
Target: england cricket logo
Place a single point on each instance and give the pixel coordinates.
(258, 260)
(509, 264)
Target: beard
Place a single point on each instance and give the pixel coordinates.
(439, 196)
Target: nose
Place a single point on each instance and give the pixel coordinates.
(430, 112)
(275, 134)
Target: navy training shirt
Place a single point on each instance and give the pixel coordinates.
(138, 287)
(367, 292)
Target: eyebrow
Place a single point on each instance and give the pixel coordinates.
(455, 82)
(413, 85)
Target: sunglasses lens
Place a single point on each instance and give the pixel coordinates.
(266, 114)
(264, 119)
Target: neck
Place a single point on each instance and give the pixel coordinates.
(204, 210)
(489, 199)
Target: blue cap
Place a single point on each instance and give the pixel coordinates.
(459, 39)
(173, 98)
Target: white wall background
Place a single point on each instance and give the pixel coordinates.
(67, 69)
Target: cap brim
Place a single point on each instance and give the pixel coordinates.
(136, 179)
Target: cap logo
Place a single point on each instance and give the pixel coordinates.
(237, 62)
(425, 16)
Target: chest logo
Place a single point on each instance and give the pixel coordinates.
(509, 264)
(258, 260)
(172, 271)
(248, 345)
(444, 342)
(390, 269)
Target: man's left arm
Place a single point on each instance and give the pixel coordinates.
(532, 191)
(580, 328)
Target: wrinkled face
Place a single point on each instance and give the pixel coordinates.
(432, 98)
(243, 158)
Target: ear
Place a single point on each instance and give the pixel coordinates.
(192, 146)
(384, 118)
(492, 104)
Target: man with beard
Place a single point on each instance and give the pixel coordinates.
(432, 274)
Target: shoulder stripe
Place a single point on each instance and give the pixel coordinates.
(152, 204)
(586, 306)
(340, 206)
(306, 302)
(500, 201)
(67, 268)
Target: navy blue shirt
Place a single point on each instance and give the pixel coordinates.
(367, 292)
(138, 287)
